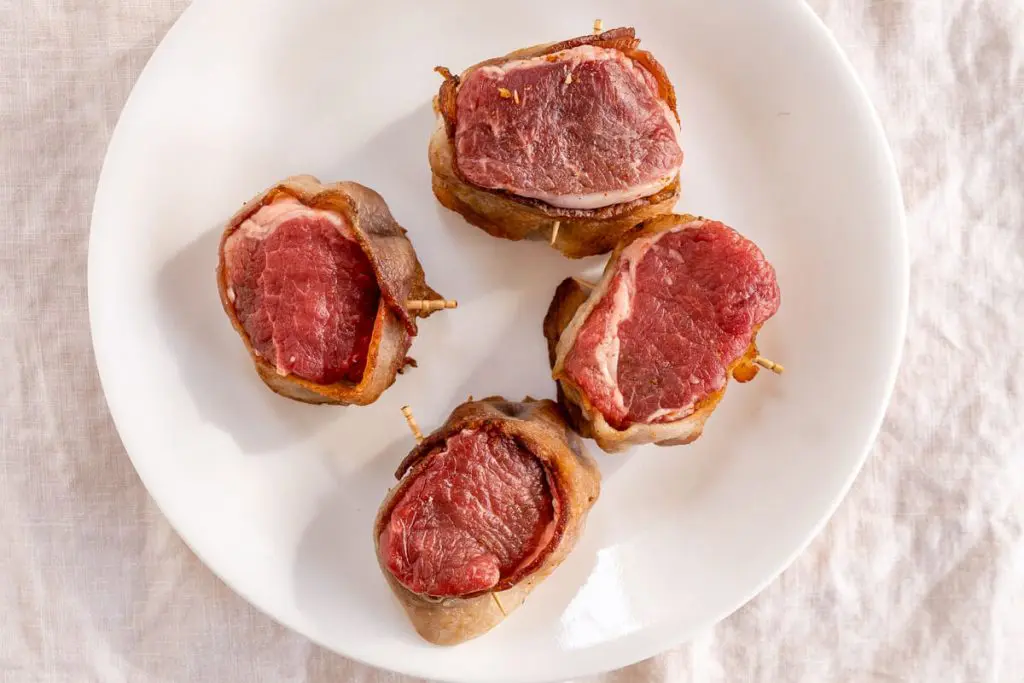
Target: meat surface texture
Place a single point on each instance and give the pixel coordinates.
(479, 510)
(574, 143)
(678, 309)
(486, 507)
(315, 279)
(582, 128)
(304, 290)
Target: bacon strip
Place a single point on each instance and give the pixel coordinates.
(574, 482)
(399, 276)
(582, 232)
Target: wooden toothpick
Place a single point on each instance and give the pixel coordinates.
(554, 232)
(430, 305)
(598, 26)
(498, 603)
(413, 427)
(770, 365)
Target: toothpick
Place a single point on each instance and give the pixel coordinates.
(770, 365)
(498, 603)
(554, 232)
(430, 305)
(598, 26)
(413, 427)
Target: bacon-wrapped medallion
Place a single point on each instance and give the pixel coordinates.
(644, 355)
(573, 142)
(486, 507)
(319, 280)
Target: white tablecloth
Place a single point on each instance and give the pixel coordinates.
(919, 577)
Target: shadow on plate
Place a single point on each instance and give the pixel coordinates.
(394, 163)
(332, 578)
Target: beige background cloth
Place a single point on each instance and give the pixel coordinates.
(919, 577)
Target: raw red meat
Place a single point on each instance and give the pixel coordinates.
(486, 507)
(582, 128)
(478, 511)
(679, 309)
(304, 290)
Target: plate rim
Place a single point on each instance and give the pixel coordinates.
(653, 644)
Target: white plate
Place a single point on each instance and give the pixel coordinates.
(278, 497)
